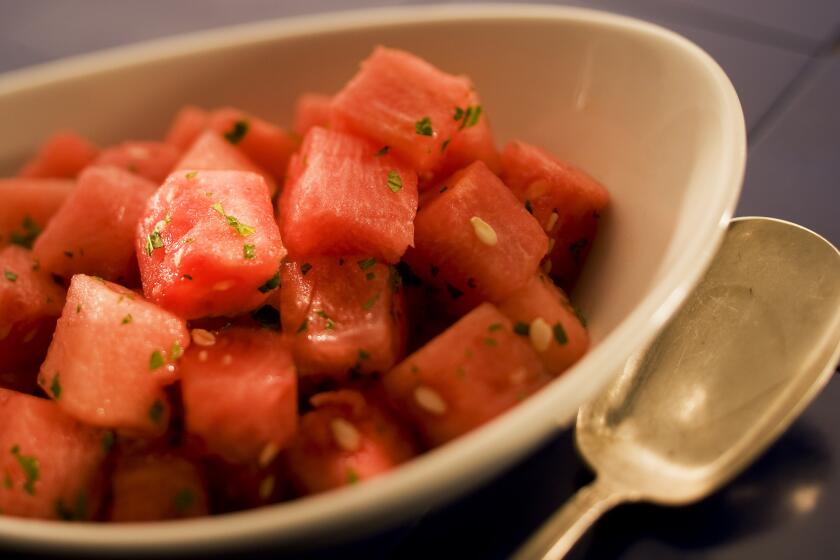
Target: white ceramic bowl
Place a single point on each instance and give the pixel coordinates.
(642, 109)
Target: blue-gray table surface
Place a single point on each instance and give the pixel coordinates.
(784, 58)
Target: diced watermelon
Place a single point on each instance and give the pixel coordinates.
(157, 486)
(50, 463)
(349, 437)
(564, 199)
(110, 357)
(472, 143)
(210, 152)
(267, 145)
(346, 315)
(343, 197)
(312, 109)
(152, 160)
(474, 240)
(28, 204)
(93, 232)
(240, 393)
(30, 303)
(208, 244)
(559, 337)
(401, 101)
(474, 371)
(236, 487)
(62, 156)
(187, 126)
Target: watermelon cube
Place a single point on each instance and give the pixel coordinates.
(111, 355)
(474, 371)
(93, 232)
(564, 199)
(62, 156)
(186, 127)
(555, 330)
(348, 437)
(401, 101)
(265, 144)
(346, 196)
(210, 152)
(28, 204)
(472, 143)
(240, 393)
(30, 303)
(51, 464)
(475, 240)
(157, 486)
(151, 160)
(235, 487)
(312, 109)
(208, 244)
(346, 315)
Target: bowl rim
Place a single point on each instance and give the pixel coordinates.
(444, 472)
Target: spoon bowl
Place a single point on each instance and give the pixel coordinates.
(753, 344)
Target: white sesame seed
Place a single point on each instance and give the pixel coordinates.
(345, 434)
(540, 333)
(227, 359)
(203, 337)
(202, 356)
(223, 285)
(551, 243)
(429, 400)
(546, 266)
(552, 221)
(485, 233)
(268, 453)
(266, 487)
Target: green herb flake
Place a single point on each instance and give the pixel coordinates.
(156, 360)
(365, 264)
(522, 329)
(443, 189)
(108, 440)
(154, 241)
(168, 218)
(271, 283)
(394, 181)
(184, 500)
(55, 386)
(363, 355)
(454, 292)
(495, 327)
(303, 326)
(237, 132)
(186, 277)
(528, 206)
(176, 352)
(68, 254)
(490, 341)
(369, 276)
(242, 229)
(304, 268)
(127, 319)
(10, 276)
(459, 114)
(468, 117)
(31, 469)
(423, 127)
(248, 251)
(27, 237)
(352, 476)
(268, 317)
(156, 411)
(217, 206)
(382, 151)
(78, 512)
(560, 334)
(445, 144)
(579, 314)
(329, 325)
(191, 175)
(322, 313)
(368, 305)
(394, 279)
(78, 308)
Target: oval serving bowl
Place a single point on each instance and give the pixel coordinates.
(642, 109)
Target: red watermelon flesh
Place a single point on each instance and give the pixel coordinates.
(235, 487)
(267, 145)
(62, 156)
(151, 160)
(50, 463)
(240, 393)
(110, 357)
(28, 204)
(541, 299)
(93, 232)
(346, 315)
(186, 127)
(30, 303)
(157, 486)
(474, 371)
(452, 248)
(312, 109)
(347, 438)
(344, 197)
(208, 244)
(211, 152)
(551, 186)
(401, 101)
(472, 143)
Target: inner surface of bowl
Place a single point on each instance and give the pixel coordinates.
(641, 109)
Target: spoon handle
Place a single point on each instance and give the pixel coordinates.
(563, 529)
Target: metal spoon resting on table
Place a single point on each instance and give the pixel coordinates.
(752, 346)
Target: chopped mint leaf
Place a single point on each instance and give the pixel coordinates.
(495, 327)
(445, 144)
(242, 229)
(528, 207)
(382, 151)
(454, 292)
(365, 264)
(352, 476)
(191, 174)
(77, 513)
(68, 254)
(248, 251)
(237, 132)
(423, 127)
(156, 360)
(490, 341)
(329, 325)
(10, 276)
(560, 334)
(31, 469)
(368, 305)
(55, 386)
(363, 355)
(156, 411)
(217, 206)
(303, 326)
(304, 268)
(184, 500)
(394, 181)
(268, 317)
(522, 329)
(459, 114)
(30, 232)
(127, 319)
(177, 351)
(271, 283)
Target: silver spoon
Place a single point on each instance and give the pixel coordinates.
(752, 346)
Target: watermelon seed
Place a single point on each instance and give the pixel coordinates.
(268, 453)
(540, 334)
(203, 337)
(266, 487)
(551, 243)
(345, 434)
(552, 221)
(485, 233)
(429, 400)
